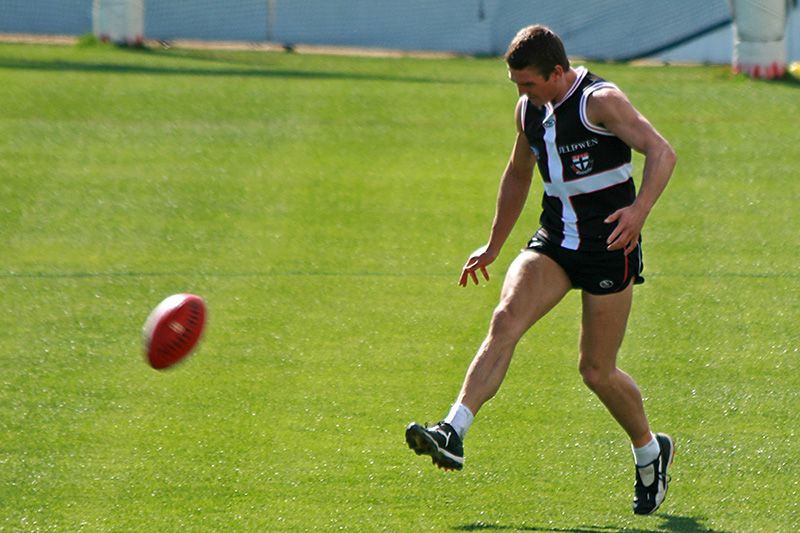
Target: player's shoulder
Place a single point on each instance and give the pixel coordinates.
(526, 112)
(602, 96)
(603, 101)
(596, 87)
(520, 107)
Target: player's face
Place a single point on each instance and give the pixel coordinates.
(532, 84)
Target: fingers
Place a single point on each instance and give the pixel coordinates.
(478, 260)
(468, 272)
(620, 238)
(625, 236)
(613, 217)
(614, 242)
(623, 242)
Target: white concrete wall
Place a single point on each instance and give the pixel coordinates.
(717, 47)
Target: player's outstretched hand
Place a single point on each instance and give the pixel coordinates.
(478, 260)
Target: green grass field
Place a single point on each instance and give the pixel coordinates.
(323, 207)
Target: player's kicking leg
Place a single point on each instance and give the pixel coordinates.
(440, 441)
(534, 284)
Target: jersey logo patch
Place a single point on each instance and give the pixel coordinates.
(582, 164)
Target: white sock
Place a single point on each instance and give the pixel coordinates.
(460, 417)
(647, 453)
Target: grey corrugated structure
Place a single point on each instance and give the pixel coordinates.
(601, 29)
(59, 17)
(595, 29)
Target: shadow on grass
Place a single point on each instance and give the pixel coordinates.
(669, 524)
(789, 81)
(251, 70)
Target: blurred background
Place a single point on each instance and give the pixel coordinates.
(619, 30)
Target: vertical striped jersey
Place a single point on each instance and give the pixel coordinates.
(586, 169)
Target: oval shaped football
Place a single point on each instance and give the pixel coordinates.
(173, 329)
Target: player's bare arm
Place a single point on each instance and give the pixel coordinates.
(513, 192)
(611, 109)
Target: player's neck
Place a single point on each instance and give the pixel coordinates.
(565, 85)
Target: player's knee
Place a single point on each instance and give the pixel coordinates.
(594, 377)
(506, 324)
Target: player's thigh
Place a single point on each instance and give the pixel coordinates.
(605, 318)
(534, 284)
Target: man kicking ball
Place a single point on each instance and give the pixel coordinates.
(579, 129)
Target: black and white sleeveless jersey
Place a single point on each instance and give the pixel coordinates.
(586, 169)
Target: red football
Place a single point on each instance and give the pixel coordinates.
(173, 328)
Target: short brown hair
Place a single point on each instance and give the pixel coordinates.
(539, 47)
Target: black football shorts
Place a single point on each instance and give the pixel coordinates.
(599, 272)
